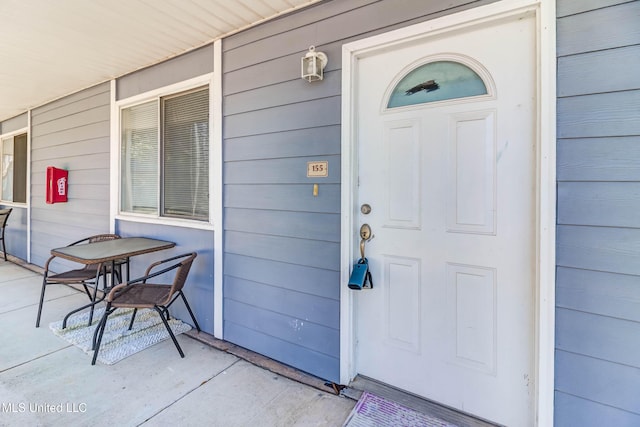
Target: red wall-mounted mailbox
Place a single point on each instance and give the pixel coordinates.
(57, 182)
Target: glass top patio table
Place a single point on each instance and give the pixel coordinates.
(111, 250)
(108, 251)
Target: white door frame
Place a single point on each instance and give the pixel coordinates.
(544, 11)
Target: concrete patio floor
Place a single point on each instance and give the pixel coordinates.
(44, 381)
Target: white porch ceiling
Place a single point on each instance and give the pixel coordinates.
(51, 48)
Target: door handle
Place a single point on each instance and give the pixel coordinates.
(360, 275)
(365, 236)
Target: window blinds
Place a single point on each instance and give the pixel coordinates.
(185, 178)
(139, 159)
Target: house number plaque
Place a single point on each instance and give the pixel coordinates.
(317, 169)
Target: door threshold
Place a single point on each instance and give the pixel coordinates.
(361, 384)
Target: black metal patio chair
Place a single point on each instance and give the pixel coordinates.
(138, 294)
(88, 276)
(4, 217)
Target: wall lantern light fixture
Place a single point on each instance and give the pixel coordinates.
(313, 64)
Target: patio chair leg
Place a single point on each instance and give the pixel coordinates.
(100, 331)
(133, 317)
(166, 325)
(97, 330)
(97, 347)
(186, 304)
(44, 285)
(93, 300)
(94, 297)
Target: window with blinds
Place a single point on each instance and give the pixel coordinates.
(13, 152)
(165, 157)
(185, 177)
(139, 159)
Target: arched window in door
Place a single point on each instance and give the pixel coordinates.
(436, 81)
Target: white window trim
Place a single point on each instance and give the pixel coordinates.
(546, 180)
(216, 165)
(28, 172)
(116, 107)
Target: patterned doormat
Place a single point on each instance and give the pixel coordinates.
(375, 411)
(117, 342)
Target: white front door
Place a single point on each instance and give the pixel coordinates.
(451, 187)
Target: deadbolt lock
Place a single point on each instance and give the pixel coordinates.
(365, 209)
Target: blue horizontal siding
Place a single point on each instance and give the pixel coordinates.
(309, 335)
(308, 16)
(607, 114)
(13, 124)
(320, 364)
(597, 336)
(599, 29)
(572, 411)
(311, 253)
(284, 197)
(178, 69)
(302, 115)
(598, 233)
(597, 292)
(280, 94)
(599, 159)
(295, 143)
(610, 204)
(299, 278)
(571, 7)
(280, 171)
(609, 70)
(616, 250)
(70, 133)
(296, 304)
(601, 381)
(302, 225)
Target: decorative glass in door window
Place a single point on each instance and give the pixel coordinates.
(436, 81)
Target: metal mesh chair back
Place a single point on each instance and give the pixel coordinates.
(181, 274)
(139, 293)
(151, 293)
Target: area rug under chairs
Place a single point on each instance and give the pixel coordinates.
(117, 342)
(376, 411)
